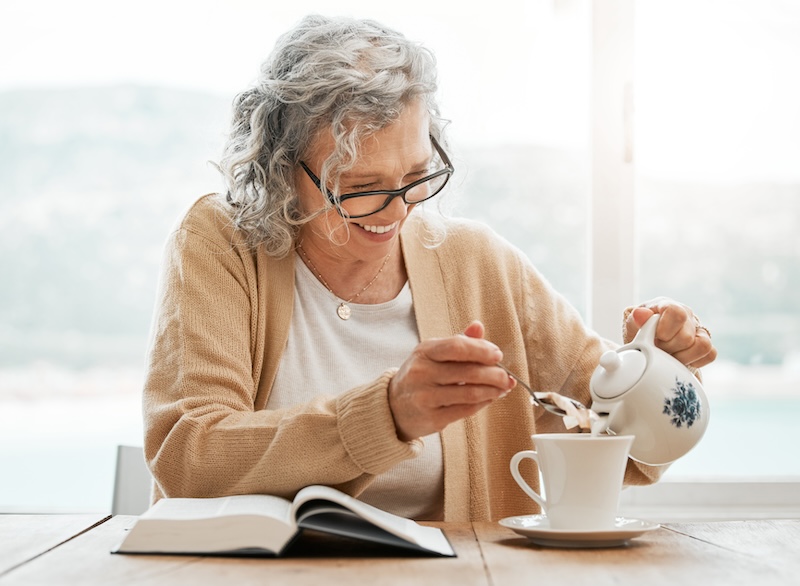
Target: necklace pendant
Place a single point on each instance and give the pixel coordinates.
(343, 311)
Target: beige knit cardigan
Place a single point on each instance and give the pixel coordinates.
(221, 324)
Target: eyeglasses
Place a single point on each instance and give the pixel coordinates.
(366, 203)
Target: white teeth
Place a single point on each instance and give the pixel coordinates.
(378, 229)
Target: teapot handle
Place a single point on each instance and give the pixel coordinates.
(647, 334)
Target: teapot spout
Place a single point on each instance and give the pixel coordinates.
(607, 413)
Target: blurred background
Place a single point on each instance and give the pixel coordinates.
(111, 112)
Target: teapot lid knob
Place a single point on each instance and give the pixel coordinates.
(610, 360)
(617, 373)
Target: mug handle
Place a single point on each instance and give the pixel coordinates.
(515, 460)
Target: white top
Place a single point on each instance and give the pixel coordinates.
(326, 355)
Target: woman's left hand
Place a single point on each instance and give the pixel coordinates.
(679, 331)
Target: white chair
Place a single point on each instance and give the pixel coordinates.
(132, 482)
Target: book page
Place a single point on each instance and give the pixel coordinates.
(427, 538)
(242, 523)
(208, 508)
(258, 504)
(337, 520)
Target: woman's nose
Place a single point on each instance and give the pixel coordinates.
(398, 207)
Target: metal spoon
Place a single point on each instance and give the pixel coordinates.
(540, 398)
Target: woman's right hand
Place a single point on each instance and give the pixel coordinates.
(444, 380)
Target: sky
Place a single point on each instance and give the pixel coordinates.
(716, 86)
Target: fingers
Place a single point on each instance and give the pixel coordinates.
(675, 329)
(462, 348)
(422, 407)
(701, 352)
(474, 330)
(679, 331)
(445, 380)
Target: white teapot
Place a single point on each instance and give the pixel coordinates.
(652, 396)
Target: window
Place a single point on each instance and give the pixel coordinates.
(105, 140)
(718, 211)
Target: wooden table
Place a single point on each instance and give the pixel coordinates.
(25, 537)
(67, 550)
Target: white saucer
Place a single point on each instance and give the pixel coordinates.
(537, 529)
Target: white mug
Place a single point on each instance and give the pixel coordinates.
(581, 475)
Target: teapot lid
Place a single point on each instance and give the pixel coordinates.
(618, 372)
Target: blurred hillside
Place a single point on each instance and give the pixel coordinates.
(92, 179)
(732, 252)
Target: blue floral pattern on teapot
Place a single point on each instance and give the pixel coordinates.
(684, 406)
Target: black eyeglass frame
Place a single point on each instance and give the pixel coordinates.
(390, 194)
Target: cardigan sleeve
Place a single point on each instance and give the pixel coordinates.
(563, 354)
(203, 434)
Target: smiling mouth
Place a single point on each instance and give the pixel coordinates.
(379, 229)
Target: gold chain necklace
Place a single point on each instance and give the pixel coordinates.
(343, 310)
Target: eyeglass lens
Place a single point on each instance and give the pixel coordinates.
(362, 205)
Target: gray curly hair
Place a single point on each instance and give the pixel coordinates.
(352, 77)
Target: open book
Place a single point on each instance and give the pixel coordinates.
(266, 525)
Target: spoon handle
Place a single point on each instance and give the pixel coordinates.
(534, 396)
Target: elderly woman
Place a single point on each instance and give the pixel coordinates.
(316, 326)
